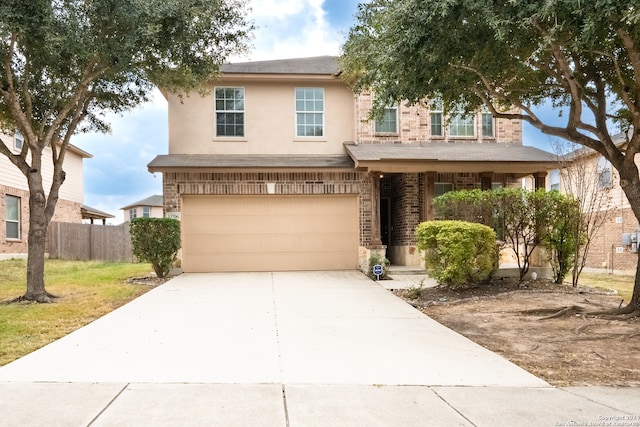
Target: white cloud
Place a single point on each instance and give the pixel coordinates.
(290, 29)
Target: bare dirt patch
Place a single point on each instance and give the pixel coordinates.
(571, 350)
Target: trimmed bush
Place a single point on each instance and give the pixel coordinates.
(458, 253)
(156, 240)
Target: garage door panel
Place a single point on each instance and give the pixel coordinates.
(268, 242)
(269, 233)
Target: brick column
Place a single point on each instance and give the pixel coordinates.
(429, 194)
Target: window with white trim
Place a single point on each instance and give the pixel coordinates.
(389, 121)
(146, 211)
(133, 213)
(554, 179)
(487, 123)
(18, 140)
(462, 125)
(12, 217)
(229, 106)
(437, 117)
(604, 172)
(309, 111)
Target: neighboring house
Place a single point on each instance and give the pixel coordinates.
(278, 169)
(14, 196)
(591, 178)
(151, 207)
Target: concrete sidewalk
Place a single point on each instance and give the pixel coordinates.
(282, 349)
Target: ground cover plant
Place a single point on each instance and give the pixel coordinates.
(85, 291)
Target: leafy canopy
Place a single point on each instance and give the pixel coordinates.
(581, 55)
(65, 62)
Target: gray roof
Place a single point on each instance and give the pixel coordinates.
(155, 200)
(213, 161)
(326, 65)
(89, 212)
(450, 152)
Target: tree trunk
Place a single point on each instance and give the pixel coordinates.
(635, 298)
(37, 239)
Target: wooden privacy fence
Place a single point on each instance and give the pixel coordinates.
(90, 242)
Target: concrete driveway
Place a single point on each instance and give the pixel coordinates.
(281, 349)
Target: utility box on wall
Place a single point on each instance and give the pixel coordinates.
(631, 240)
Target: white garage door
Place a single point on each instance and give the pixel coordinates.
(269, 233)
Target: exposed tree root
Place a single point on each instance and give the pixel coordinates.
(43, 298)
(624, 313)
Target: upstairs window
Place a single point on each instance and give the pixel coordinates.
(12, 217)
(554, 179)
(462, 125)
(389, 121)
(309, 111)
(487, 123)
(604, 172)
(229, 106)
(18, 140)
(146, 211)
(437, 128)
(133, 213)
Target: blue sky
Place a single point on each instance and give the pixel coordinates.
(117, 174)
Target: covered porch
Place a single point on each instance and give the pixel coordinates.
(406, 178)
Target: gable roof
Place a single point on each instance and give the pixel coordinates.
(155, 200)
(323, 65)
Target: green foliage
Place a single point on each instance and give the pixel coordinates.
(578, 56)
(156, 240)
(465, 205)
(67, 64)
(376, 259)
(563, 234)
(523, 219)
(458, 253)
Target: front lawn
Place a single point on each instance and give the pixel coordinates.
(622, 284)
(87, 291)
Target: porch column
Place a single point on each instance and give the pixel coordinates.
(540, 180)
(429, 194)
(375, 210)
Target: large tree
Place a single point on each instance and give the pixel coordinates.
(581, 56)
(65, 63)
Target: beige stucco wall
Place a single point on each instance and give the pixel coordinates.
(269, 120)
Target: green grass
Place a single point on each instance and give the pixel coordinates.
(86, 291)
(622, 284)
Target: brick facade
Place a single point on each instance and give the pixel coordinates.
(414, 126)
(66, 211)
(606, 250)
(177, 184)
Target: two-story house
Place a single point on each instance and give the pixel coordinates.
(149, 207)
(591, 178)
(14, 196)
(277, 168)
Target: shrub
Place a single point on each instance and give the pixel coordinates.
(156, 240)
(563, 233)
(458, 253)
(378, 259)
